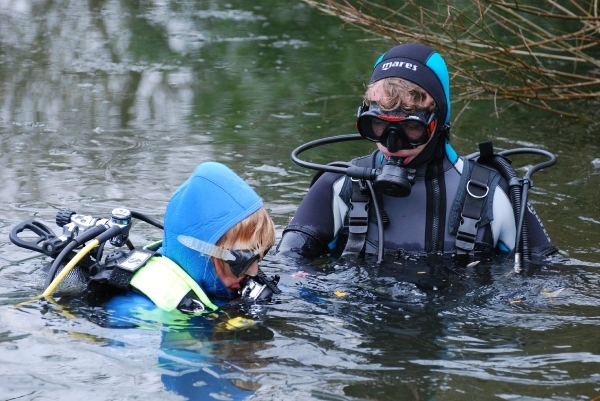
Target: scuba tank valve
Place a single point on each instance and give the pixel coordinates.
(122, 218)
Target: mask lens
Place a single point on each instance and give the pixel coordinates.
(244, 259)
(416, 132)
(378, 126)
(415, 129)
(371, 127)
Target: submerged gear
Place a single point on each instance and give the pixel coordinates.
(166, 283)
(155, 276)
(395, 129)
(142, 269)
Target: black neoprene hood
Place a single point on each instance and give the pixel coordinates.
(421, 65)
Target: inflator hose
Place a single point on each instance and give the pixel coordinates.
(526, 185)
(519, 194)
(515, 190)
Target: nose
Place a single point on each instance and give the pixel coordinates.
(252, 270)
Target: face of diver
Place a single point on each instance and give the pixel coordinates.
(409, 154)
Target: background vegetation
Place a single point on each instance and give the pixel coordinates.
(542, 53)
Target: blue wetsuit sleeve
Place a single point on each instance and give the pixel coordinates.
(312, 228)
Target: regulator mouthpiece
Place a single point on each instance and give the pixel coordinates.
(394, 180)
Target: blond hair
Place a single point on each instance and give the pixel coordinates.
(256, 232)
(400, 94)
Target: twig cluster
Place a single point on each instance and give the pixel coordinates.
(542, 56)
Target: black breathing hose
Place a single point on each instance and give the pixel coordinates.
(362, 173)
(75, 242)
(147, 219)
(526, 185)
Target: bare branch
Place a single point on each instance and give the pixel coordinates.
(496, 49)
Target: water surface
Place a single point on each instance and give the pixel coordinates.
(109, 104)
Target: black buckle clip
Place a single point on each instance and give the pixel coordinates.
(467, 233)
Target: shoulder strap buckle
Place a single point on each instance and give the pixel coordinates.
(358, 219)
(477, 190)
(467, 234)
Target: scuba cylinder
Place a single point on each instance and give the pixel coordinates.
(78, 255)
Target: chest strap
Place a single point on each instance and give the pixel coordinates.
(358, 220)
(477, 190)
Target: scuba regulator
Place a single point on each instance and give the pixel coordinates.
(78, 253)
(393, 179)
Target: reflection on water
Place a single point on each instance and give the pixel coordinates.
(113, 103)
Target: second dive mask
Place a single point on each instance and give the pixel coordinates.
(395, 129)
(239, 260)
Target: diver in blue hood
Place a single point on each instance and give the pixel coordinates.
(217, 207)
(415, 196)
(216, 230)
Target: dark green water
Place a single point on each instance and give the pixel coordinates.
(109, 104)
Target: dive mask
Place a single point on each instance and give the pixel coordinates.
(239, 260)
(395, 129)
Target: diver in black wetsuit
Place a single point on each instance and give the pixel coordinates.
(442, 203)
